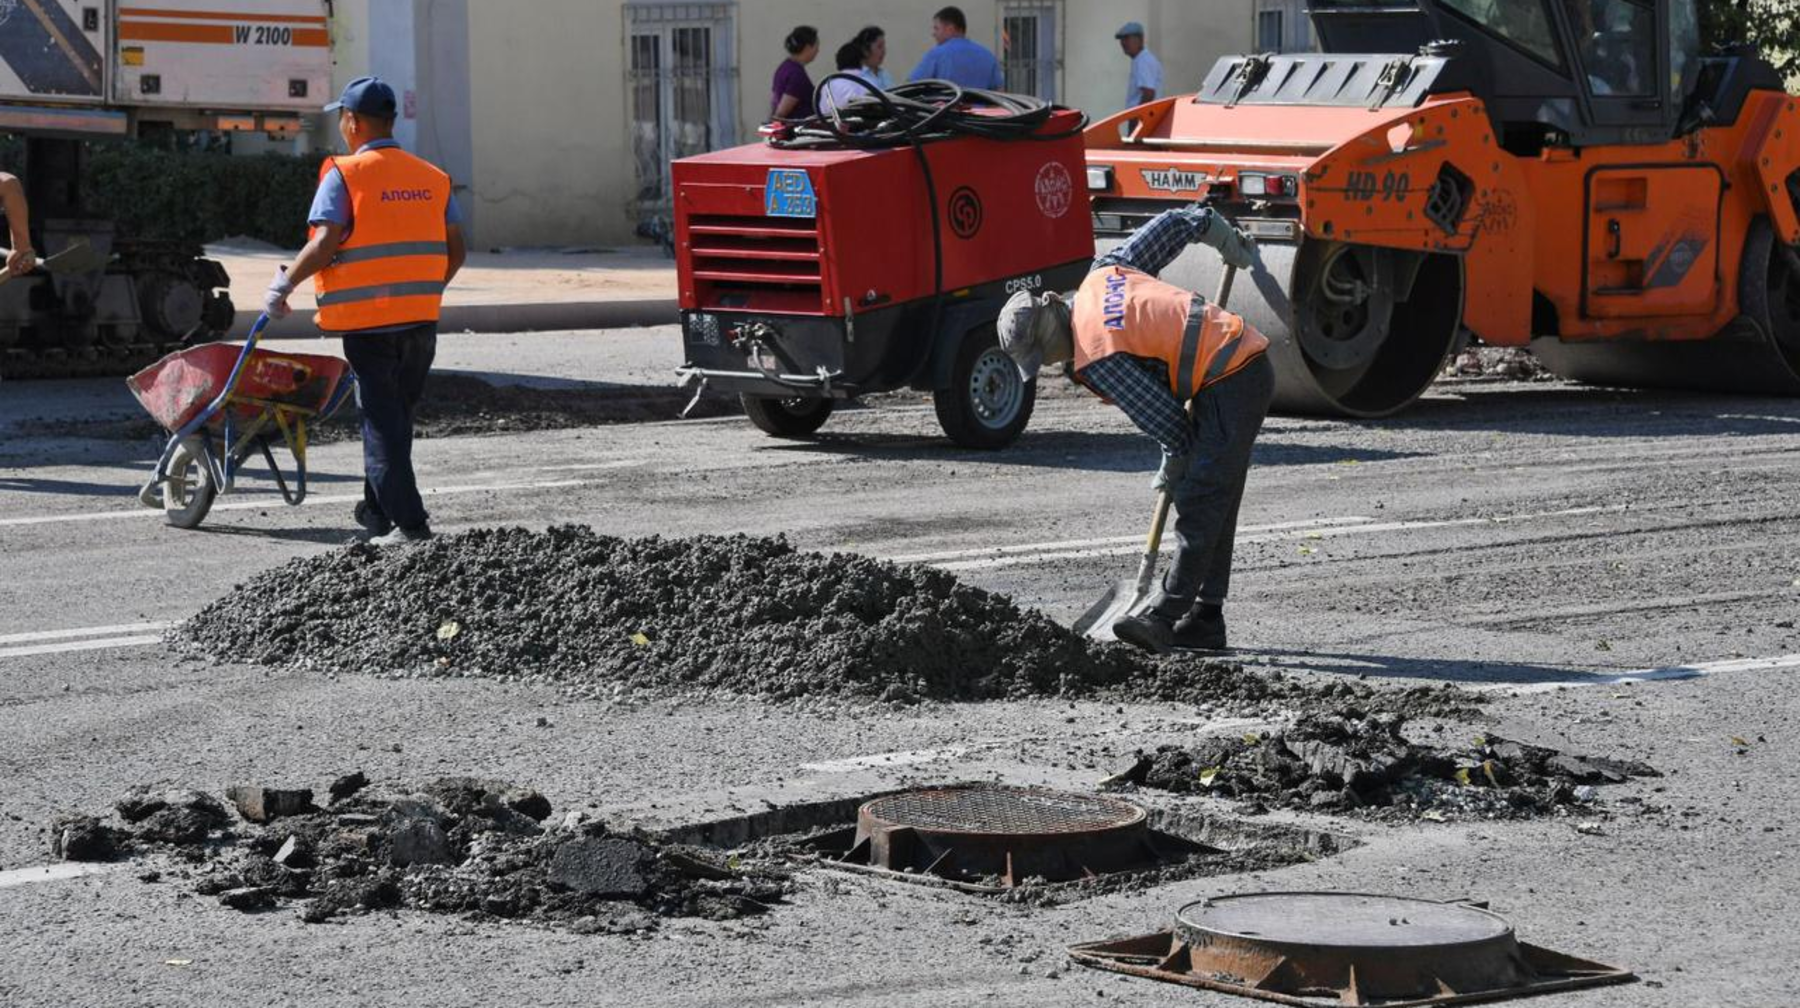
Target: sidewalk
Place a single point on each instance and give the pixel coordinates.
(507, 291)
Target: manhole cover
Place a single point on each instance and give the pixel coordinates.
(1009, 834)
(1346, 948)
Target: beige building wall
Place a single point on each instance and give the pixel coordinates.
(549, 133)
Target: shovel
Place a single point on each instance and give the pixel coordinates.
(77, 257)
(1124, 597)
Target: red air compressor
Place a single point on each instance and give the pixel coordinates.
(871, 251)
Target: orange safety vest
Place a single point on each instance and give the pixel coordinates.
(390, 270)
(1120, 310)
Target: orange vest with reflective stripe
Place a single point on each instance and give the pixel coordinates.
(1119, 310)
(390, 270)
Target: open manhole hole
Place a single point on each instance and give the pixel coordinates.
(1305, 948)
(1035, 843)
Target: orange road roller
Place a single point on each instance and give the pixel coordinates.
(1572, 175)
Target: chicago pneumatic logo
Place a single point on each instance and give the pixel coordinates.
(1055, 190)
(965, 212)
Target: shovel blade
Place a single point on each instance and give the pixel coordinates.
(77, 257)
(1121, 600)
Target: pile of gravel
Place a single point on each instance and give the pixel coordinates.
(1498, 363)
(456, 846)
(604, 617)
(1354, 760)
(742, 615)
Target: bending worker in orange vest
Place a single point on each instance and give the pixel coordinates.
(1149, 348)
(386, 240)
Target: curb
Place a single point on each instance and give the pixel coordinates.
(500, 318)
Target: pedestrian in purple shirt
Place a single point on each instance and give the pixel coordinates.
(792, 96)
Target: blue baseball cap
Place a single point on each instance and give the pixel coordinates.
(1130, 28)
(368, 96)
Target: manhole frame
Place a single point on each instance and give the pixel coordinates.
(1173, 955)
(816, 834)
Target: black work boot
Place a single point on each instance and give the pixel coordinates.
(1150, 630)
(373, 523)
(1202, 629)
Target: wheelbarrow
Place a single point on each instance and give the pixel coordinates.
(221, 404)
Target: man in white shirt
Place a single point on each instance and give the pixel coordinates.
(1146, 69)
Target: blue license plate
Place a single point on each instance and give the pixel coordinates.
(789, 193)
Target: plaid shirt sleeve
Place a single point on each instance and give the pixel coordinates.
(1140, 387)
(1154, 246)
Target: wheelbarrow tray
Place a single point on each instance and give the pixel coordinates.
(179, 387)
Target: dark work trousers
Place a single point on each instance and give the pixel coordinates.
(390, 378)
(1227, 416)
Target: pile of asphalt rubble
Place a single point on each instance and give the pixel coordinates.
(606, 617)
(1352, 760)
(455, 846)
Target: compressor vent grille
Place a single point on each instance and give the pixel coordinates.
(760, 263)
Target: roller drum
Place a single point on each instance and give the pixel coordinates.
(1376, 324)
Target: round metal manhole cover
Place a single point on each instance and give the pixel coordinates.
(1355, 946)
(1005, 836)
(1342, 920)
(1010, 811)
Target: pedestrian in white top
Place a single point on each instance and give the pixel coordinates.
(873, 41)
(839, 90)
(1146, 69)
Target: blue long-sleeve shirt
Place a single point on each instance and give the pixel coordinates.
(1137, 385)
(963, 62)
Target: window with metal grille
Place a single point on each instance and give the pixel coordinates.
(681, 87)
(1268, 31)
(1029, 45)
(1282, 26)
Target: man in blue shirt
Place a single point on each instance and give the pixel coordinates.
(955, 58)
(390, 356)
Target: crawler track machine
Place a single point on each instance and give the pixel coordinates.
(1573, 175)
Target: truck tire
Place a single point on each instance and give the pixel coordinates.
(188, 495)
(988, 403)
(794, 417)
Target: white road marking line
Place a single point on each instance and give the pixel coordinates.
(103, 644)
(276, 502)
(587, 466)
(996, 551)
(50, 873)
(1664, 674)
(1306, 531)
(852, 763)
(93, 631)
(1758, 417)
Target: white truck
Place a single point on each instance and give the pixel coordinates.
(73, 71)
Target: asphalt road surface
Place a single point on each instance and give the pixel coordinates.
(1620, 569)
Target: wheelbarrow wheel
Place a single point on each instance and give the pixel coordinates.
(188, 494)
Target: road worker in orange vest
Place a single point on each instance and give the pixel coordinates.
(386, 240)
(1151, 348)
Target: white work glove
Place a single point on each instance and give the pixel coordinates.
(1235, 247)
(275, 303)
(1171, 472)
(21, 261)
